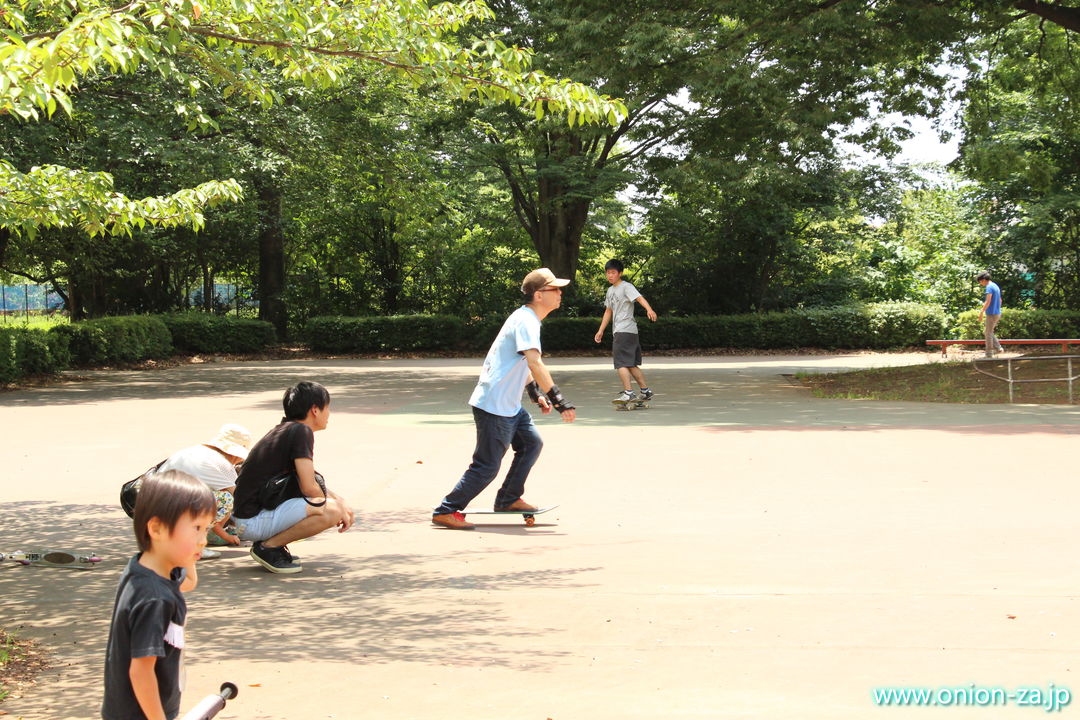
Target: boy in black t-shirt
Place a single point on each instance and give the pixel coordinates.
(310, 508)
(144, 654)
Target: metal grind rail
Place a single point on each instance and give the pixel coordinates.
(1069, 378)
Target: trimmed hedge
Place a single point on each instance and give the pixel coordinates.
(133, 338)
(25, 351)
(127, 338)
(199, 332)
(1023, 324)
(877, 326)
(382, 333)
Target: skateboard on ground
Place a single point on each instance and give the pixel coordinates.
(635, 404)
(53, 558)
(528, 515)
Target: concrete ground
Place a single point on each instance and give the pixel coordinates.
(741, 550)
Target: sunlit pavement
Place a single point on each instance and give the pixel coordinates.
(741, 549)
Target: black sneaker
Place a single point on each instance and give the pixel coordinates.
(646, 394)
(276, 560)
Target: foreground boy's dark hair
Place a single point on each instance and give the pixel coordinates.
(984, 275)
(613, 264)
(303, 396)
(167, 496)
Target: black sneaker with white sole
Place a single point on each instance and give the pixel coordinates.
(276, 560)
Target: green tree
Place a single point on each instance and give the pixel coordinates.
(47, 47)
(743, 83)
(1022, 146)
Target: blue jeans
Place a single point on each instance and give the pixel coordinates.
(494, 434)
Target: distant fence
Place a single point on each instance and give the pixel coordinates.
(228, 297)
(26, 299)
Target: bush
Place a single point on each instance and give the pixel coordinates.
(129, 338)
(200, 332)
(385, 333)
(1023, 324)
(26, 351)
(879, 326)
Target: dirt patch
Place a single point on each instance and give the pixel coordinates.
(955, 382)
(20, 663)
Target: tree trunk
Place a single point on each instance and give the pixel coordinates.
(555, 209)
(208, 289)
(1066, 17)
(271, 257)
(557, 234)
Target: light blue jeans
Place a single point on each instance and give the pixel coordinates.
(269, 523)
(494, 435)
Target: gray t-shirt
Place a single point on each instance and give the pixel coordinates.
(620, 298)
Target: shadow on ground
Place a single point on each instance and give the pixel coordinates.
(359, 609)
(719, 397)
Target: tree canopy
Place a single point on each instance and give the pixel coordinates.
(49, 46)
(362, 158)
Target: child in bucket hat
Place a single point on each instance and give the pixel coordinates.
(214, 463)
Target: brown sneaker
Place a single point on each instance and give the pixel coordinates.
(518, 505)
(454, 521)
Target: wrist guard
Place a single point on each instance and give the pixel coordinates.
(558, 401)
(533, 389)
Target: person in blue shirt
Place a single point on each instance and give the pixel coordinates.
(991, 309)
(513, 365)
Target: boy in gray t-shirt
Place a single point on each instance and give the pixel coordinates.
(625, 346)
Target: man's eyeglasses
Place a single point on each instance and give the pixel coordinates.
(551, 289)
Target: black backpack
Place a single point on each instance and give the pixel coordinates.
(129, 491)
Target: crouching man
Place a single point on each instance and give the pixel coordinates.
(272, 511)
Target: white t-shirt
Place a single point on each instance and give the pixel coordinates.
(505, 368)
(620, 298)
(205, 464)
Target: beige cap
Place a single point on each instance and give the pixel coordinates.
(540, 279)
(232, 439)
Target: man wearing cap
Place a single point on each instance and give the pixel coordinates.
(214, 463)
(513, 364)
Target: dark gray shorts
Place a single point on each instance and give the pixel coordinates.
(625, 350)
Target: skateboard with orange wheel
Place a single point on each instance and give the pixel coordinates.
(638, 403)
(53, 558)
(528, 515)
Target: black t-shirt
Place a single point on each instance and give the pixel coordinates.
(147, 621)
(272, 456)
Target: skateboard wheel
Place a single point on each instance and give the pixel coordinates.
(530, 519)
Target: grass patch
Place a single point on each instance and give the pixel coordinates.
(43, 322)
(20, 662)
(950, 382)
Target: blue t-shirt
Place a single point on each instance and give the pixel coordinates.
(995, 300)
(505, 368)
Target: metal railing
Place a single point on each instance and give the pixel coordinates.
(1070, 378)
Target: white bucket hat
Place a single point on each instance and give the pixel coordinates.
(232, 439)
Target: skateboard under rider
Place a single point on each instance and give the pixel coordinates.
(638, 403)
(528, 515)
